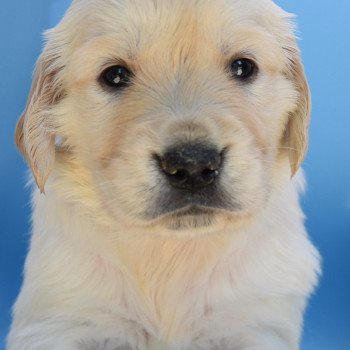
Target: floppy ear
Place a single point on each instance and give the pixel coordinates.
(299, 119)
(35, 132)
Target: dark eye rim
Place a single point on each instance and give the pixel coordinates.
(105, 82)
(246, 77)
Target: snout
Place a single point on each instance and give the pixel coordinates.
(191, 167)
(190, 185)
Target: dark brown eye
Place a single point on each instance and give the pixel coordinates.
(116, 77)
(243, 68)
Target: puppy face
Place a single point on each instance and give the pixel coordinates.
(177, 113)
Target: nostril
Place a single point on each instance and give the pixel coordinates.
(209, 175)
(169, 169)
(180, 176)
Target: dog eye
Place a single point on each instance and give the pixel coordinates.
(116, 76)
(243, 68)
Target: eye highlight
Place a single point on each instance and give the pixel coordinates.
(116, 77)
(243, 68)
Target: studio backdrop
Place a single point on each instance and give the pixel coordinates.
(324, 31)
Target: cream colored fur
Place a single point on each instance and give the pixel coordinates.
(99, 274)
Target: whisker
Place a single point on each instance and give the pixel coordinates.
(283, 147)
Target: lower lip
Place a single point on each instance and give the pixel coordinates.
(193, 211)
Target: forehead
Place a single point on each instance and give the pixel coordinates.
(141, 23)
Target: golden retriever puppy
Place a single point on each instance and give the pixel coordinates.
(165, 139)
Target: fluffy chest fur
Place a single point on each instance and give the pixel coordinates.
(156, 293)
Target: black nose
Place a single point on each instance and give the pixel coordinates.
(191, 166)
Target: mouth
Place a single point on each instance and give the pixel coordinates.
(193, 216)
(183, 204)
(193, 210)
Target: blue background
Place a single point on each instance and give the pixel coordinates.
(324, 27)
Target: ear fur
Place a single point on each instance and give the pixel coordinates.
(299, 119)
(35, 132)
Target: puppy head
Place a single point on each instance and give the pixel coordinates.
(179, 111)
